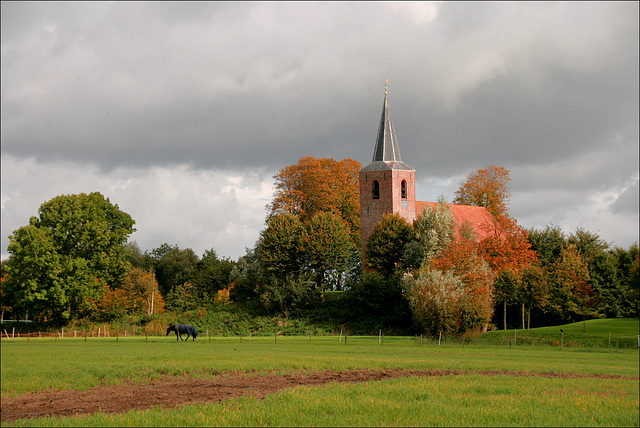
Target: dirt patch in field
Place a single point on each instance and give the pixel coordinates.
(169, 392)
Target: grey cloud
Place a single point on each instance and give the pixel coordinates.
(135, 101)
(547, 90)
(628, 201)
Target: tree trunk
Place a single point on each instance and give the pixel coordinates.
(529, 319)
(505, 314)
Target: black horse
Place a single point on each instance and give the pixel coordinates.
(181, 329)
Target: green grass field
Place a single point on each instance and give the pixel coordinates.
(470, 399)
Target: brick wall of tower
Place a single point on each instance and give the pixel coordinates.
(390, 198)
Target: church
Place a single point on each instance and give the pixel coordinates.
(388, 185)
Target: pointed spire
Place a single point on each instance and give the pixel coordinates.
(387, 149)
(386, 154)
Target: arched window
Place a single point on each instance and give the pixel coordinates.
(404, 189)
(376, 189)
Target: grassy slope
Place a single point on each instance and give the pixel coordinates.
(596, 333)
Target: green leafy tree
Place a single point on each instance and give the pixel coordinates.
(139, 259)
(183, 297)
(279, 248)
(588, 244)
(436, 299)
(377, 301)
(246, 275)
(387, 242)
(89, 227)
(628, 265)
(547, 244)
(532, 291)
(61, 260)
(505, 288)
(434, 231)
(212, 273)
(174, 268)
(570, 294)
(289, 295)
(326, 243)
(603, 273)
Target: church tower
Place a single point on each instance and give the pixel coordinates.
(387, 185)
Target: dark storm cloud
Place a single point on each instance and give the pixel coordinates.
(245, 85)
(547, 90)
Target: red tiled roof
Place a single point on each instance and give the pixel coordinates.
(477, 216)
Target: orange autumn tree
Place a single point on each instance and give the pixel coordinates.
(506, 248)
(464, 260)
(114, 303)
(314, 185)
(141, 286)
(451, 291)
(487, 188)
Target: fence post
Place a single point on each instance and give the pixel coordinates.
(13, 332)
(439, 338)
(380, 336)
(420, 339)
(340, 340)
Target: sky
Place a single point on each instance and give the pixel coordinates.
(181, 113)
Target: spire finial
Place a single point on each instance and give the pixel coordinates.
(385, 85)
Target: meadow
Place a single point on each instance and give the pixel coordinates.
(495, 384)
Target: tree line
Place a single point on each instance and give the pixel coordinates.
(74, 261)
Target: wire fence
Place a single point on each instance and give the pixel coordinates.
(562, 340)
